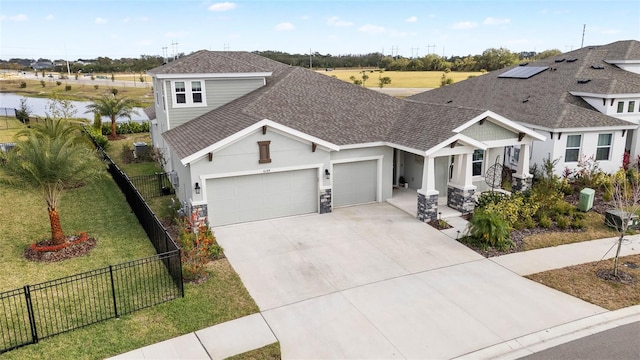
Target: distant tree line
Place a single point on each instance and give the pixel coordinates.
(491, 59)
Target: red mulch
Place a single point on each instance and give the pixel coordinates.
(73, 250)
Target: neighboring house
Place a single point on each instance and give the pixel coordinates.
(586, 102)
(250, 139)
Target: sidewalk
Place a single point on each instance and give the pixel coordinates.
(252, 332)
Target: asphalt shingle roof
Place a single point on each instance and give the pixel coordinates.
(219, 62)
(544, 99)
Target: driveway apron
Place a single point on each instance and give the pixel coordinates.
(372, 282)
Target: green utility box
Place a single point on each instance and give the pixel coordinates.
(586, 199)
(615, 219)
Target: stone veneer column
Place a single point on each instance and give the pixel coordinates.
(521, 184)
(427, 206)
(461, 199)
(325, 201)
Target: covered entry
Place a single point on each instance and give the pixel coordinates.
(355, 182)
(239, 199)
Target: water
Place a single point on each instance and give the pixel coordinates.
(38, 107)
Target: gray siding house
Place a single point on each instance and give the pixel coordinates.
(250, 139)
(586, 102)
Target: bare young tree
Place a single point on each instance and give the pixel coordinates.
(625, 198)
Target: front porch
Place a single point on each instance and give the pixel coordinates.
(405, 200)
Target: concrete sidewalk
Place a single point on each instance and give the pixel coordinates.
(401, 319)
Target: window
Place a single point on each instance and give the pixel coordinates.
(196, 92)
(189, 93)
(572, 153)
(604, 146)
(620, 106)
(181, 92)
(632, 105)
(476, 162)
(265, 156)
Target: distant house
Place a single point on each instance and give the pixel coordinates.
(586, 102)
(42, 65)
(249, 138)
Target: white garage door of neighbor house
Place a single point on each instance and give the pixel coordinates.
(264, 196)
(355, 182)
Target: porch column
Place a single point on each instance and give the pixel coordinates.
(428, 195)
(461, 191)
(522, 178)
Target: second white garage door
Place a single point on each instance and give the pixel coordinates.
(355, 182)
(264, 196)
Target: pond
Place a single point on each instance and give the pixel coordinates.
(38, 107)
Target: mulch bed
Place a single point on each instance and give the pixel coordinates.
(76, 249)
(439, 224)
(622, 277)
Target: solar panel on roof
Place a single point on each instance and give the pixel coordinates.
(523, 72)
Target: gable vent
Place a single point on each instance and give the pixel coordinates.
(572, 60)
(560, 60)
(597, 67)
(583, 81)
(524, 64)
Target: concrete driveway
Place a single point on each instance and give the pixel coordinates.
(372, 282)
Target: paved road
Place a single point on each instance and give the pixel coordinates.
(619, 343)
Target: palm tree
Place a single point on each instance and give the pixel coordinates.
(50, 157)
(113, 107)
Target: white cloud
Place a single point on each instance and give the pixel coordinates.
(495, 21)
(285, 26)
(175, 34)
(464, 25)
(144, 19)
(49, 17)
(411, 19)
(19, 17)
(372, 29)
(223, 6)
(126, 20)
(100, 20)
(337, 22)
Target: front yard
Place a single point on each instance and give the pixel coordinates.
(100, 209)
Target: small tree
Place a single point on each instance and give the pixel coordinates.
(97, 121)
(365, 77)
(113, 107)
(113, 78)
(23, 112)
(382, 81)
(625, 197)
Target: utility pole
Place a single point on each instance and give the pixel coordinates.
(584, 27)
(417, 50)
(310, 60)
(165, 54)
(174, 46)
(226, 47)
(431, 48)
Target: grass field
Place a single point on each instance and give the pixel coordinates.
(80, 91)
(401, 79)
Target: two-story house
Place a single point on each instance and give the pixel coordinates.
(586, 102)
(250, 139)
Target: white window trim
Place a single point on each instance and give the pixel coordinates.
(610, 147)
(188, 94)
(579, 147)
(482, 166)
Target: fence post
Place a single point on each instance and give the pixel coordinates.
(32, 318)
(113, 291)
(159, 178)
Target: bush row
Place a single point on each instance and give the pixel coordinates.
(130, 127)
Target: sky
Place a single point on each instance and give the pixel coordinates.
(86, 29)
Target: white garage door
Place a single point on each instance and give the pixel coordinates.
(256, 197)
(355, 182)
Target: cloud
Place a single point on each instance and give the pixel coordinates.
(495, 21)
(337, 22)
(372, 29)
(19, 17)
(285, 26)
(464, 25)
(223, 6)
(49, 17)
(100, 20)
(411, 19)
(126, 20)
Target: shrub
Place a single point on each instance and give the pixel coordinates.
(67, 87)
(545, 222)
(58, 82)
(100, 139)
(114, 91)
(489, 228)
(96, 86)
(127, 153)
(97, 122)
(563, 221)
(529, 223)
(198, 246)
(23, 84)
(489, 197)
(578, 223)
(144, 127)
(42, 83)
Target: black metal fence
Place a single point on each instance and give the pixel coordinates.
(154, 185)
(39, 311)
(35, 312)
